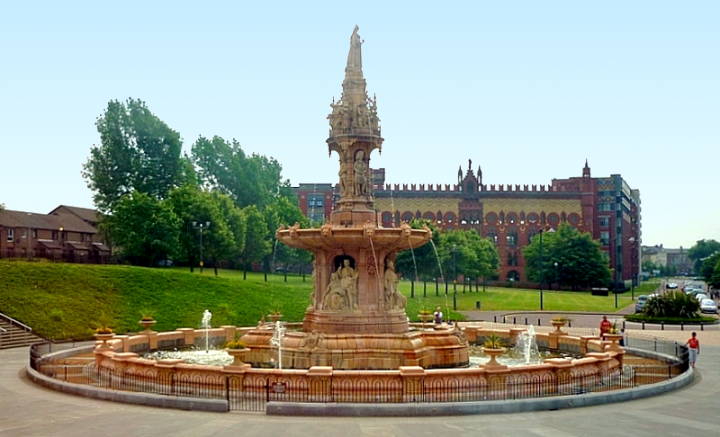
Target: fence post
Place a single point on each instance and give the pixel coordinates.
(437, 289)
(662, 325)
(655, 347)
(702, 327)
(424, 288)
(412, 289)
(643, 325)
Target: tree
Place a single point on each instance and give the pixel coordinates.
(284, 212)
(137, 152)
(580, 260)
(465, 252)
(702, 249)
(193, 205)
(224, 166)
(709, 265)
(144, 229)
(425, 258)
(715, 278)
(257, 245)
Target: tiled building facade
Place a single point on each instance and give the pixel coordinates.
(510, 215)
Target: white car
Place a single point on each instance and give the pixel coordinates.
(708, 306)
(671, 285)
(701, 297)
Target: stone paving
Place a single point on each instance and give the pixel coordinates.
(30, 410)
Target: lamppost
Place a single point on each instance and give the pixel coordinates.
(634, 278)
(201, 226)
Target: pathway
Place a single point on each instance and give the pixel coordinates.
(30, 410)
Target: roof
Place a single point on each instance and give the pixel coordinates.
(87, 214)
(23, 219)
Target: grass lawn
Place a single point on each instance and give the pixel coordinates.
(516, 299)
(70, 300)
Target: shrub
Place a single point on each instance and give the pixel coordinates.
(493, 341)
(673, 304)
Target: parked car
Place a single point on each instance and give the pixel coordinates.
(700, 297)
(708, 306)
(671, 286)
(640, 303)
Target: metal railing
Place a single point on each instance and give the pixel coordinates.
(14, 322)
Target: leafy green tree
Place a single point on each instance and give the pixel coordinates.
(144, 229)
(257, 244)
(285, 212)
(427, 262)
(715, 278)
(137, 152)
(708, 266)
(192, 206)
(465, 252)
(702, 249)
(224, 166)
(580, 260)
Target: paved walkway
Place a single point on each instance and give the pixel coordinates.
(29, 410)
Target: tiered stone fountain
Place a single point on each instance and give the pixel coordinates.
(356, 319)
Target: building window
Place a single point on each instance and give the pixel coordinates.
(493, 237)
(604, 207)
(511, 239)
(54, 235)
(10, 235)
(34, 233)
(513, 275)
(605, 238)
(512, 259)
(604, 221)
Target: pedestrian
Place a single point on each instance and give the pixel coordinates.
(605, 327)
(438, 316)
(693, 345)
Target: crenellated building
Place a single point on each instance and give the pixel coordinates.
(510, 214)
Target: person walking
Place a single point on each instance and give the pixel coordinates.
(605, 327)
(693, 345)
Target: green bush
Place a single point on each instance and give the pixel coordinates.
(669, 320)
(673, 304)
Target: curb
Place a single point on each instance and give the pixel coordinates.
(153, 400)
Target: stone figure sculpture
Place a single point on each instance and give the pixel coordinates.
(354, 61)
(393, 298)
(361, 174)
(342, 291)
(348, 281)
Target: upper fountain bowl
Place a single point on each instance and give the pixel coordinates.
(329, 237)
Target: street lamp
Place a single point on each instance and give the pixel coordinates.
(632, 267)
(201, 226)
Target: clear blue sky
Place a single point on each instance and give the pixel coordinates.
(527, 89)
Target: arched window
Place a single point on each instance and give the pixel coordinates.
(511, 239)
(513, 275)
(407, 216)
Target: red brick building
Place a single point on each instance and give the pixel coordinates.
(65, 234)
(510, 215)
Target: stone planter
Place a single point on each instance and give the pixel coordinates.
(274, 317)
(147, 324)
(558, 324)
(424, 318)
(104, 338)
(238, 356)
(493, 353)
(614, 340)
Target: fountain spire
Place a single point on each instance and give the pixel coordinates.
(354, 134)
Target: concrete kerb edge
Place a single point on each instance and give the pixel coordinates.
(153, 400)
(479, 407)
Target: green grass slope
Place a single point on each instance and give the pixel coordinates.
(71, 300)
(62, 301)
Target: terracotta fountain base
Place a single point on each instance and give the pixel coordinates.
(437, 348)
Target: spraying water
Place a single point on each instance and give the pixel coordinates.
(205, 323)
(437, 258)
(527, 347)
(413, 257)
(276, 340)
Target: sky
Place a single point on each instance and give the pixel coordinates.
(526, 89)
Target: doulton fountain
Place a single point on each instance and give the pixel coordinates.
(356, 318)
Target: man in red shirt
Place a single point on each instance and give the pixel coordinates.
(693, 345)
(605, 327)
